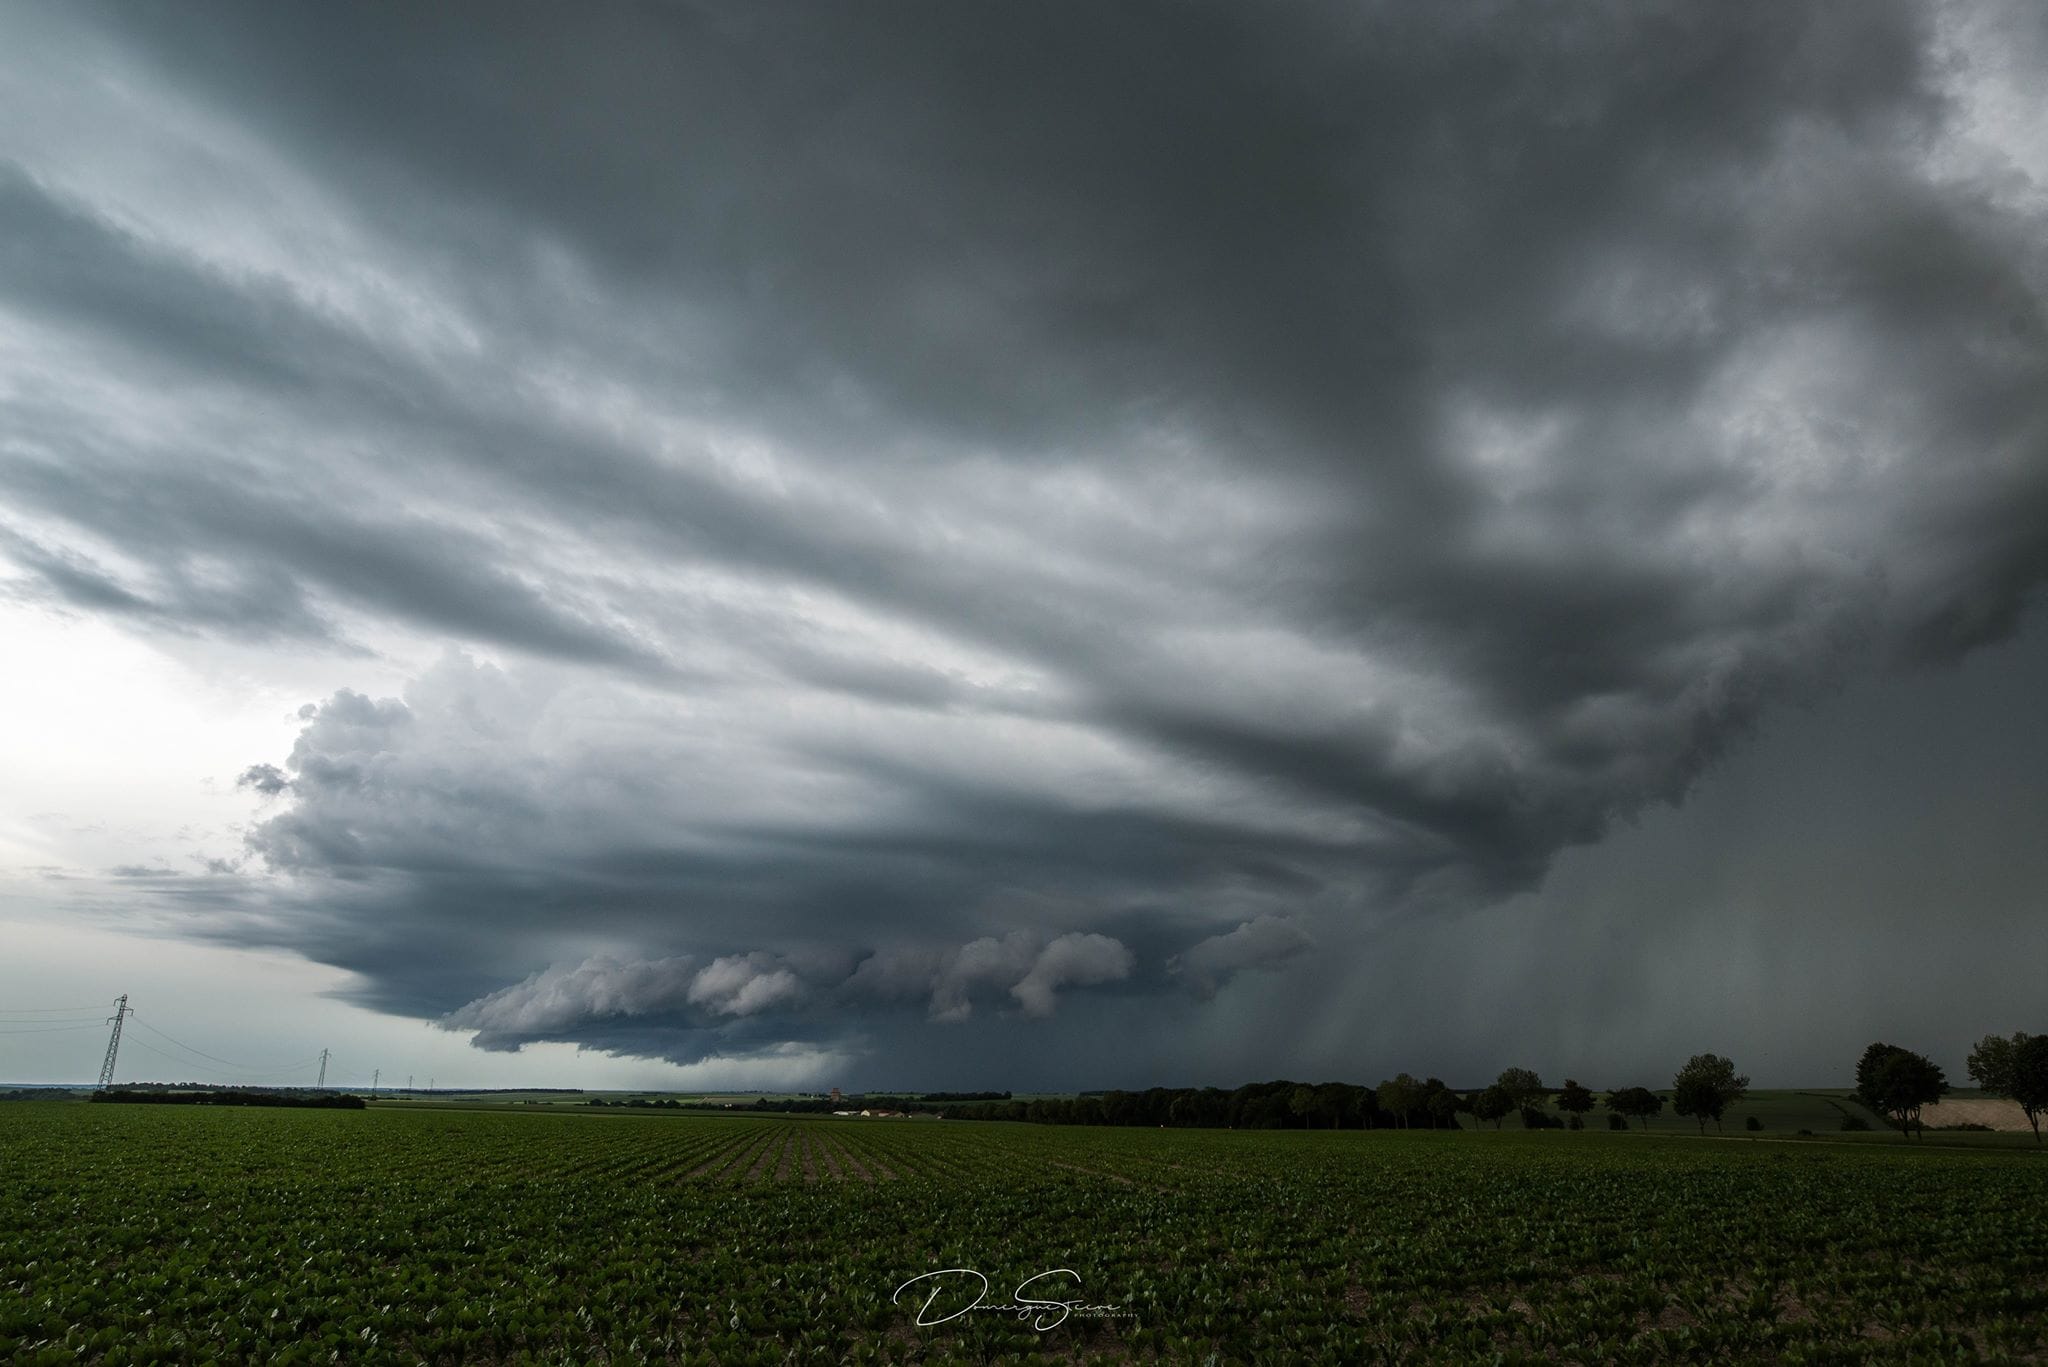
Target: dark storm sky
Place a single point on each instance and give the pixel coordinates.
(1071, 544)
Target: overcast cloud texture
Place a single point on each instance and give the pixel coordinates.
(1051, 544)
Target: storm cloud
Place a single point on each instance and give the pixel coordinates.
(924, 530)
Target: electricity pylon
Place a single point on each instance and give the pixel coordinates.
(322, 1083)
(114, 1040)
(375, 1073)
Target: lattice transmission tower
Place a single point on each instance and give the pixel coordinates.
(121, 1010)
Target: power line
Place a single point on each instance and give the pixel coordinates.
(172, 1058)
(229, 1063)
(248, 1074)
(124, 1012)
(144, 1045)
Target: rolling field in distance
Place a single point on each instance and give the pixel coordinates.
(396, 1234)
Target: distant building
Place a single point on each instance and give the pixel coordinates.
(835, 1096)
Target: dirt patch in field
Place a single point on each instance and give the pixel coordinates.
(1999, 1115)
(825, 1156)
(1791, 1309)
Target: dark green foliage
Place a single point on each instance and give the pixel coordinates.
(1637, 1103)
(1752, 1124)
(2015, 1068)
(1897, 1082)
(1522, 1085)
(1496, 1103)
(1617, 1122)
(228, 1096)
(1706, 1087)
(1573, 1099)
(178, 1234)
(912, 1103)
(1441, 1104)
(1867, 1068)
(1400, 1097)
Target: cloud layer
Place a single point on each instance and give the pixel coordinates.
(915, 519)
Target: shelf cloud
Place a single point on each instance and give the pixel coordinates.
(919, 528)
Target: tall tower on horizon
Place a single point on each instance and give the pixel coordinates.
(113, 1041)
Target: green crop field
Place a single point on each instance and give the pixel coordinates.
(158, 1233)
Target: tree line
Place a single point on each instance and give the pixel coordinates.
(928, 1103)
(1891, 1081)
(228, 1096)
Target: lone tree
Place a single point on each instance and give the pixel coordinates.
(1896, 1083)
(1574, 1099)
(1640, 1102)
(1706, 1087)
(2017, 1069)
(1493, 1104)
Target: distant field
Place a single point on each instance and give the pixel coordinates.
(406, 1234)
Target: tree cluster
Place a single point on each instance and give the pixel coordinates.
(1634, 1103)
(1415, 1105)
(1896, 1083)
(2015, 1068)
